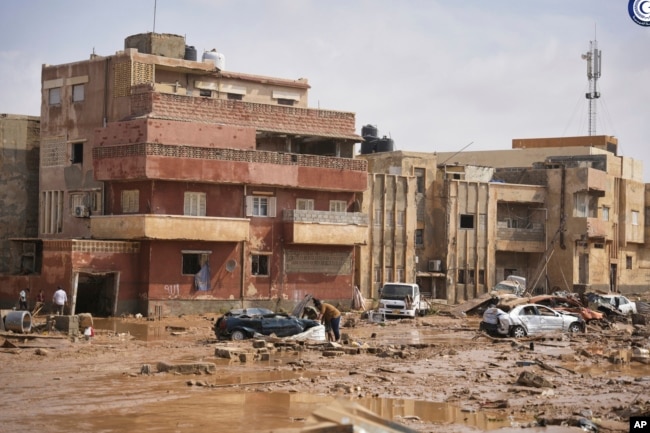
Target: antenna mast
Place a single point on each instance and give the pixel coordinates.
(154, 15)
(593, 58)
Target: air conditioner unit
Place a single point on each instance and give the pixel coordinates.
(435, 265)
(81, 211)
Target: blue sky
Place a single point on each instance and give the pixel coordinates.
(434, 75)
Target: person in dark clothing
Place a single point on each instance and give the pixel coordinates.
(329, 316)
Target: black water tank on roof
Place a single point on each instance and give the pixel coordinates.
(368, 146)
(368, 131)
(190, 53)
(384, 145)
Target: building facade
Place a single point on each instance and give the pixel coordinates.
(169, 185)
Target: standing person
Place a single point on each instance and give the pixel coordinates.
(329, 316)
(60, 300)
(22, 299)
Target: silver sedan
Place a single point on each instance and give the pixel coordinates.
(532, 319)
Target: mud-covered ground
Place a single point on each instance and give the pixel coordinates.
(432, 374)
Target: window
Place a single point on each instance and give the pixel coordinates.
(282, 101)
(400, 275)
(635, 217)
(481, 276)
(304, 204)
(78, 92)
(419, 177)
(131, 201)
(461, 276)
(260, 206)
(628, 262)
(194, 204)
(466, 221)
(338, 206)
(605, 213)
(389, 274)
(54, 96)
(51, 213)
(378, 216)
(470, 276)
(400, 218)
(235, 96)
(76, 153)
(377, 275)
(259, 264)
(419, 237)
(585, 205)
(193, 261)
(389, 218)
(205, 93)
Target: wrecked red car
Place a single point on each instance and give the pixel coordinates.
(567, 305)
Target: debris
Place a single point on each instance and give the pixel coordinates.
(190, 368)
(527, 378)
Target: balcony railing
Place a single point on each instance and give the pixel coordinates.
(325, 228)
(324, 217)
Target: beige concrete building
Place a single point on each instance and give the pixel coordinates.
(19, 147)
(565, 213)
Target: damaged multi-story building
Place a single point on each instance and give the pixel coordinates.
(171, 185)
(568, 214)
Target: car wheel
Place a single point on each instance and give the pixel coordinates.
(238, 335)
(518, 332)
(575, 327)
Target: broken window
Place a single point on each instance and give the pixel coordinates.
(193, 261)
(466, 221)
(260, 264)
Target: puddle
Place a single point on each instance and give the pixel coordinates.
(139, 331)
(236, 412)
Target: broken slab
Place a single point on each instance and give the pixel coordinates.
(188, 368)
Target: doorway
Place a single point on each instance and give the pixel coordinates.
(96, 294)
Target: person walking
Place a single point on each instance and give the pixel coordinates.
(22, 299)
(60, 299)
(329, 316)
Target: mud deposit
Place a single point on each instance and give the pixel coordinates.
(433, 374)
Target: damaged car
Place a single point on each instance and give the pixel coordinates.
(530, 319)
(241, 324)
(567, 305)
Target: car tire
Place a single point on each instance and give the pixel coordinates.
(518, 332)
(575, 327)
(237, 335)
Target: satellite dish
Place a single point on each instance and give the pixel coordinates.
(231, 265)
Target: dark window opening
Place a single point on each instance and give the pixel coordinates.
(461, 276)
(470, 276)
(628, 262)
(419, 237)
(481, 276)
(77, 156)
(235, 96)
(191, 263)
(456, 176)
(206, 93)
(282, 101)
(467, 221)
(260, 265)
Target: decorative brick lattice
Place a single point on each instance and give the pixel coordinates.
(84, 246)
(256, 156)
(121, 79)
(318, 262)
(53, 152)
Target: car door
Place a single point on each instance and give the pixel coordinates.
(549, 319)
(530, 319)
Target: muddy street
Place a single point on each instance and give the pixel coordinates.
(432, 374)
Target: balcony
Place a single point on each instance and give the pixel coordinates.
(528, 240)
(589, 179)
(169, 227)
(325, 228)
(215, 165)
(593, 228)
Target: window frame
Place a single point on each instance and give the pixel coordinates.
(338, 206)
(253, 206)
(260, 265)
(54, 96)
(464, 221)
(194, 258)
(194, 203)
(78, 96)
(130, 201)
(304, 204)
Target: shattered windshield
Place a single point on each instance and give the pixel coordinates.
(397, 291)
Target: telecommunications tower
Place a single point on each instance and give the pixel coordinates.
(593, 58)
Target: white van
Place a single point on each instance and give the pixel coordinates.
(401, 299)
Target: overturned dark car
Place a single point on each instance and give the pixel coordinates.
(245, 323)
